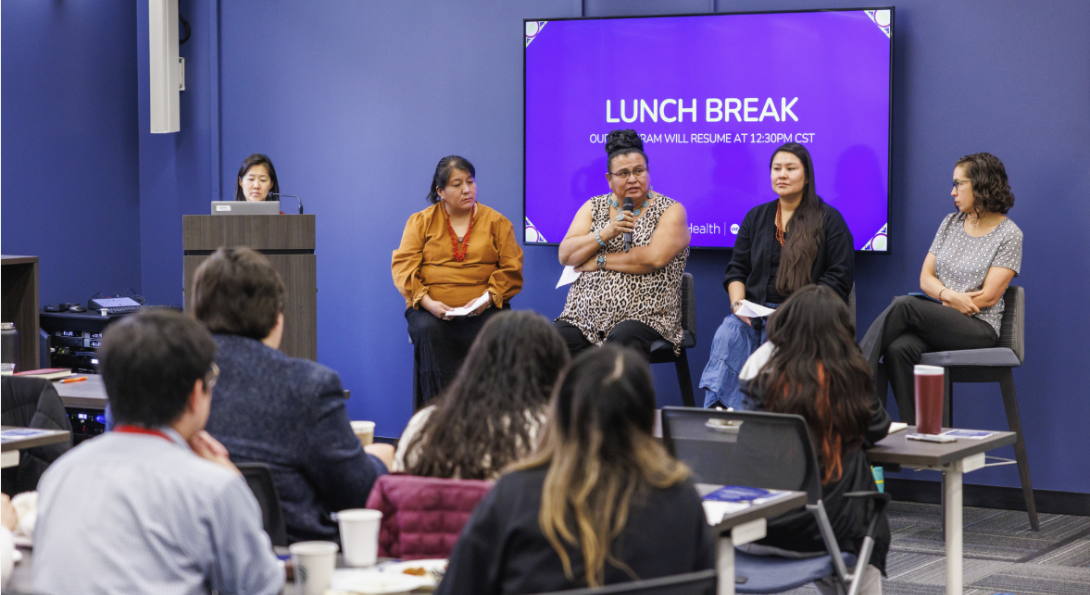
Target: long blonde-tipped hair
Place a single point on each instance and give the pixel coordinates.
(598, 446)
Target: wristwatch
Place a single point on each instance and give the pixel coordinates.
(734, 306)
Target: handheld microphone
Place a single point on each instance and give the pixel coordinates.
(277, 194)
(627, 206)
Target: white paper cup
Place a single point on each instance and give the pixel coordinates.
(365, 431)
(314, 562)
(359, 535)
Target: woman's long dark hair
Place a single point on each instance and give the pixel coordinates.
(807, 224)
(446, 166)
(819, 372)
(598, 446)
(252, 160)
(480, 423)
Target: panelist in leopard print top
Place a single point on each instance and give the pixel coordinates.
(629, 298)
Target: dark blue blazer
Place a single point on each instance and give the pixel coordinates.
(289, 414)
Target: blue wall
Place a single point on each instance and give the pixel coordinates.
(69, 185)
(355, 102)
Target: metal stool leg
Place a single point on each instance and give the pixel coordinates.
(1006, 384)
(684, 379)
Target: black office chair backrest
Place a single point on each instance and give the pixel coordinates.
(32, 403)
(765, 450)
(688, 310)
(692, 583)
(259, 478)
(1012, 330)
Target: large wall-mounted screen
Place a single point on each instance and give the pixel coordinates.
(712, 96)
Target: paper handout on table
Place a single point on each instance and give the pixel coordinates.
(468, 308)
(897, 427)
(748, 308)
(569, 275)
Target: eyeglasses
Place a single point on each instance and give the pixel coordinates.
(958, 184)
(212, 376)
(624, 174)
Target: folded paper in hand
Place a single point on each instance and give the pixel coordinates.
(569, 275)
(751, 310)
(468, 308)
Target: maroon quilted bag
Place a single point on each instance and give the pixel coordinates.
(422, 517)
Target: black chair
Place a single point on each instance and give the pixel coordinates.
(662, 352)
(693, 583)
(32, 403)
(995, 364)
(771, 451)
(259, 478)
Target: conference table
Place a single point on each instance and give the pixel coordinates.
(15, 439)
(954, 459)
(744, 526)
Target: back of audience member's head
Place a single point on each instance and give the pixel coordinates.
(819, 372)
(601, 454)
(150, 363)
(480, 423)
(237, 292)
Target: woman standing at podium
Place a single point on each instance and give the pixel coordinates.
(256, 179)
(452, 254)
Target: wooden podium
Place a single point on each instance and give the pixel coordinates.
(288, 242)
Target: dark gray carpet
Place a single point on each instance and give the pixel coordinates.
(1001, 554)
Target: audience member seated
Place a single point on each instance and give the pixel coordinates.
(631, 298)
(9, 519)
(811, 366)
(285, 412)
(976, 253)
(451, 254)
(796, 240)
(599, 502)
(490, 415)
(155, 506)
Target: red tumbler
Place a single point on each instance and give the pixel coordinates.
(929, 389)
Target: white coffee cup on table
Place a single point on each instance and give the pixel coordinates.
(359, 535)
(365, 431)
(314, 562)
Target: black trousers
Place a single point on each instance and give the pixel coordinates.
(630, 333)
(439, 348)
(914, 326)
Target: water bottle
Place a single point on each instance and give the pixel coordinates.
(9, 346)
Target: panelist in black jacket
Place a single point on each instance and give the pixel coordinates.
(795, 240)
(282, 411)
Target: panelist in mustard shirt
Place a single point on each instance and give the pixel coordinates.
(451, 254)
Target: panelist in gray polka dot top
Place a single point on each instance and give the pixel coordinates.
(976, 253)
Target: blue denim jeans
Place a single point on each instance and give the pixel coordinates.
(734, 342)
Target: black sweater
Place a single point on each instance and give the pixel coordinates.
(798, 531)
(751, 264)
(502, 549)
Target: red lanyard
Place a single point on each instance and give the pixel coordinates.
(126, 429)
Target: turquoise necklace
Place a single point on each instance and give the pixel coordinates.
(636, 213)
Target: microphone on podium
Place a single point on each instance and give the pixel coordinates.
(278, 195)
(627, 206)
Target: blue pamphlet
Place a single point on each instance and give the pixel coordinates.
(972, 434)
(738, 494)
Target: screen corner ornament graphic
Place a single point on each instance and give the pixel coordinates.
(878, 242)
(532, 235)
(880, 18)
(533, 28)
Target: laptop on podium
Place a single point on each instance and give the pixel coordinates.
(238, 207)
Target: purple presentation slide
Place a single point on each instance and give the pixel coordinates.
(712, 96)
